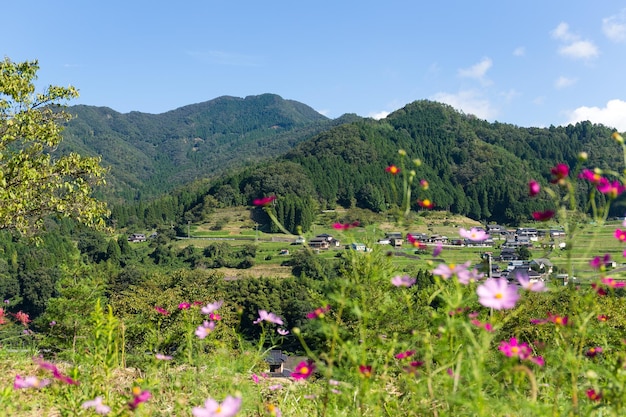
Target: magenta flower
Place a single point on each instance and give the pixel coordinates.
(559, 173)
(139, 397)
(611, 189)
(303, 370)
(591, 176)
(184, 306)
(318, 313)
(29, 382)
(282, 332)
(487, 326)
(346, 226)
(497, 294)
(264, 201)
(513, 348)
(268, 317)
(255, 378)
(228, 408)
(406, 354)
(474, 234)
(56, 373)
(600, 262)
(593, 352)
(593, 395)
(161, 310)
(527, 284)
(611, 283)
(205, 329)
(211, 307)
(214, 316)
(438, 249)
(533, 188)
(97, 405)
(403, 281)
(543, 216)
(365, 370)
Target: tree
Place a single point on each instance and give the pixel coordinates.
(35, 181)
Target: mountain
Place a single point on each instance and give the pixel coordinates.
(149, 154)
(474, 168)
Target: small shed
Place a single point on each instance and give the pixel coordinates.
(276, 361)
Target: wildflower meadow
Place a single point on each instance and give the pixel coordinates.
(454, 341)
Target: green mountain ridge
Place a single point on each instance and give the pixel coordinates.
(149, 154)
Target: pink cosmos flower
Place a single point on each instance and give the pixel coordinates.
(29, 382)
(275, 387)
(524, 282)
(303, 370)
(620, 235)
(424, 185)
(22, 317)
(162, 357)
(513, 348)
(447, 271)
(487, 326)
(228, 408)
(438, 249)
(161, 310)
(184, 306)
(611, 283)
(559, 173)
(413, 367)
(211, 307)
(98, 406)
(406, 354)
(611, 189)
(542, 216)
(214, 316)
(282, 332)
(365, 370)
(533, 188)
(497, 294)
(268, 317)
(403, 281)
(318, 313)
(593, 352)
(474, 234)
(56, 373)
(593, 395)
(346, 226)
(205, 329)
(425, 203)
(139, 397)
(264, 201)
(392, 169)
(602, 318)
(467, 276)
(591, 176)
(600, 262)
(255, 378)
(559, 320)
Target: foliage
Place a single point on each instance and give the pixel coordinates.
(35, 181)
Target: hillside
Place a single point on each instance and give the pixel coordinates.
(150, 154)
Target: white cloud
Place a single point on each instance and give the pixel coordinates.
(573, 46)
(613, 115)
(468, 101)
(563, 82)
(580, 49)
(478, 70)
(614, 27)
(378, 115)
(519, 51)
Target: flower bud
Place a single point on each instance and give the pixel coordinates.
(402, 152)
(617, 137)
(417, 162)
(583, 156)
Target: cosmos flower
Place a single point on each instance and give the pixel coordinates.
(474, 234)
(97, 405)
(497, 294)
(403, 281)
(227, 408)
(542, 216)
(303, 370)
(533, 188)
(264, 201)
(211, 307)
(268, 317)
(392, 169)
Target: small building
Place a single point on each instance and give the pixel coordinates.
(276, 362)
(319, 243)
(137, 237)
(359, 247)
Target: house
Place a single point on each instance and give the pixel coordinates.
(276, 361)
(137, 237)
(496, 229)
(544, 265)
(420, 237)
(508, 254)
(359, 247)
(319, 243)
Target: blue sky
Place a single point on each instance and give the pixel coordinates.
(529, 63)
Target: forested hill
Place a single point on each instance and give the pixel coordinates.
(474, 168)
(150, 154)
